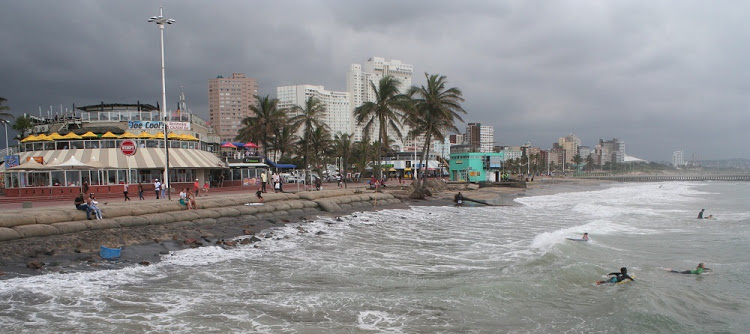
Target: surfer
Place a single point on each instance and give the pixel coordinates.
(259, 194)
(459, 199)
(700, 214)
(698, 270)
(585, 236)
(617, 277)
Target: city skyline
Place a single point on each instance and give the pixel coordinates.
(662, 77)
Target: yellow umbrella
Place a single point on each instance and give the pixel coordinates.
(56, 136)
(145, 135)
(109, 134)
(43, 137)
(159, 135)
(89, 135)
(189, 137)
(72, 135)
(128, 135)
(29, 138)
(172, 135)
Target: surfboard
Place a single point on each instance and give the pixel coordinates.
(618, 283)
(576, 239)
(253, 203)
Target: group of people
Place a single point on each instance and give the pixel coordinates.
(187, 198)
(277, 183)
(623, 274)
(90, 205)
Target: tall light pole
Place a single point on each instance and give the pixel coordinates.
(161, 21)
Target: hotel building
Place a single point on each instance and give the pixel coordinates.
(229, 101)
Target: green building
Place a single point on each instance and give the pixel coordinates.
(476, 166)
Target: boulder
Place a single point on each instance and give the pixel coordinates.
(36, 230)
(117, 211)
(227, 212)
(208, 213)
(205, 221)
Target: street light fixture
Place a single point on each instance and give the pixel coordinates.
(5, 122)
(161, 21)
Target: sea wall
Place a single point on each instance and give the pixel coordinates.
(22, 224)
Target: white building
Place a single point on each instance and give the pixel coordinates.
(338, 115)
(678, 159)
(486, 138)
(360, 90)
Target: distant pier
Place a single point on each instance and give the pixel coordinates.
(661, 178)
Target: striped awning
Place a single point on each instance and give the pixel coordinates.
(144, 158)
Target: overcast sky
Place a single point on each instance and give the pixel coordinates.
(660, 75)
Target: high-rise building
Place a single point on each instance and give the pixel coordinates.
(338, 114)
(229, 101)
(610, 151)
(480, 137)
(678, 159)
(569, 145)
(358, 84)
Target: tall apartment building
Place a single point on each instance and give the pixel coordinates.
(678, 159)
(569, 145)
(480, 137)
(360, 90)
(229, 101)
(610, 151)
(338, 115)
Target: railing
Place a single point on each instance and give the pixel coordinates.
(659, 178)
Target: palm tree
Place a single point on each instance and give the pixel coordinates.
(284, 138)
(3, 114)
(590, 163)
(435, 111)
(385, 112)
(309, 119)
(342, 146)
(22, 124)
(261, 126)
(577, 160)
(321, 145)
(363, 152)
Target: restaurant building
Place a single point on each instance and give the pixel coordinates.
(89, 147)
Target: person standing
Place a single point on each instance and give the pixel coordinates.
(196, 187)
(140, 191)
(221, 180)
(157, 187)
(263, 181)
(700, 214)
(125, 191)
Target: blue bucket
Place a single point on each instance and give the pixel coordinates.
(109, 253)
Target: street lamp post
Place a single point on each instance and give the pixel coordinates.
(161, 21)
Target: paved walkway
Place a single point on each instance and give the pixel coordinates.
(14, 203)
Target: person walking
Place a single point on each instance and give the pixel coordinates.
(196, 187)
(157, 187)
(221, 180)
(263, 181)
(140, 191)
(125, 191)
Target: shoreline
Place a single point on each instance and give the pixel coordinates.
(145, 245)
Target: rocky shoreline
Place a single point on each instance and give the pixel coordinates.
(146, 234)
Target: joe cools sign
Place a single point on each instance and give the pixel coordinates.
(128, 147)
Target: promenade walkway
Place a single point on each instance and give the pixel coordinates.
(14, 203)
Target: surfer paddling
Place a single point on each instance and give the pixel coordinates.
(617, 277)
(698, 270)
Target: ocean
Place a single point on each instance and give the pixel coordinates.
(427, 269)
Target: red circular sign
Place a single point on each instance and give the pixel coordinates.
(128, 147)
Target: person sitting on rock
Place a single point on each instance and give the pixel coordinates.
(93, 205)
(81, 205)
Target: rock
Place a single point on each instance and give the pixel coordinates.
(49, 253)
(144, 263)
(254, 239)
(247, 232)
(245, 241)
(320, 233)
(268, 235)
(35, 265)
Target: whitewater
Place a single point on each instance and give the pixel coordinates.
(436, 269)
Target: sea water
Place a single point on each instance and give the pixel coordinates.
(436, 270)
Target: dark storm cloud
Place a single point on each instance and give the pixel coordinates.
(661, 76)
